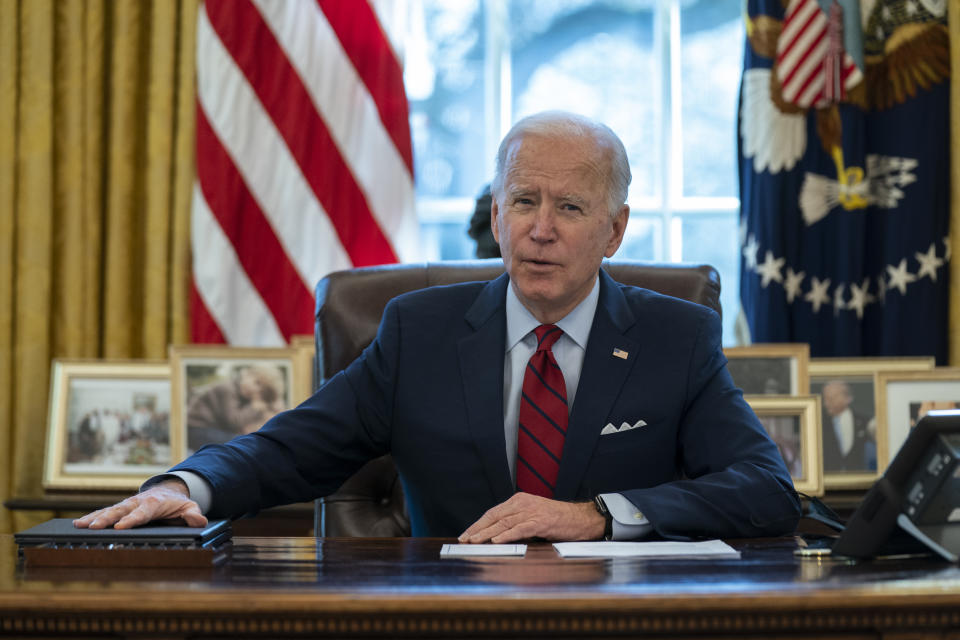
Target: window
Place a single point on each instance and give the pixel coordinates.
(664, 74)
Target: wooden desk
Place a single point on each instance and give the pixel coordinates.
(401, 588)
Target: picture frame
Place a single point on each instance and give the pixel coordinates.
(905, 396)
(851, 388)
(306, 347)
(793, 423)
(219, 392)
(770, 369)
(108, 425)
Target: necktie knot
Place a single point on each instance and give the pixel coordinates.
(547, 335)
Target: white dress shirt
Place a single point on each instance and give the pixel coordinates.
(843, 428)
(569, 350)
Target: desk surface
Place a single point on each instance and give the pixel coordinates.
(397, 587)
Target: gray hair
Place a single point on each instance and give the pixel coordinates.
(566, 124)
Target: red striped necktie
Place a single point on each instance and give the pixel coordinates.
(543, 417)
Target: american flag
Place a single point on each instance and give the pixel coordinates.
(304, 162)
(812, 66)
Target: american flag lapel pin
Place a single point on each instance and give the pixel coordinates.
(620, 353)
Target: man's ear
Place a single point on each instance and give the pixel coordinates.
(618, 228)
(494, 214)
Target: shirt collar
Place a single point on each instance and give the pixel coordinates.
(576, 324)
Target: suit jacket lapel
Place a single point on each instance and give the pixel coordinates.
(481, 369)
(601, 379)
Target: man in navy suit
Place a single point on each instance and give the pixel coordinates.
(628, 423)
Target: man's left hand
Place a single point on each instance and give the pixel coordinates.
(526, 516)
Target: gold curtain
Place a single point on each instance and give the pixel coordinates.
(96, 170)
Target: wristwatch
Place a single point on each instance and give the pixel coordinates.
(602, 510)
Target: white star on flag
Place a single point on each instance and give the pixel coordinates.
(881, 289)
(838, 301)
(770, 269)
(860, 297)
(900, 277)
(792, 285)
(929, 262)
(818, 293)
(750, 252)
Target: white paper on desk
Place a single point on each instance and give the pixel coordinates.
(475, 550)
(664, 549)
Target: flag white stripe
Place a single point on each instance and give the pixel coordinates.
(223, 284)
(351, 118)
(809, 66)
(798, 52)
(793, 24)
(261, 156)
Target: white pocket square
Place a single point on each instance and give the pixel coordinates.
(607, 430)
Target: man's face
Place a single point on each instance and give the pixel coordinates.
(553, 223)
(835, 398)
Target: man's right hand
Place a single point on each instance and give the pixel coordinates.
(166, 500)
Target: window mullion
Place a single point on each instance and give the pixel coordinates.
(496, 68)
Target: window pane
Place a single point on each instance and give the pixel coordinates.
(641, 241)
(711, 43)
(712, 239)
(443, 75)
(447, 241)
(594, 58)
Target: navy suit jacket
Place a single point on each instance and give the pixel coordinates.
(429, 390)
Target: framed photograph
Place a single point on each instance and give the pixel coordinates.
(907, 396)
(306, 347)
(793, 423)
(851, 430)
(220, 392)
(770, 369)
(109, 424)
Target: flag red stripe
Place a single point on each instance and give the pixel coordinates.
(278, 86)
(203, 328)
(806, 54)
(245, 226)
(813, 75)
(368, 48)
(847, 70)
(800, 32)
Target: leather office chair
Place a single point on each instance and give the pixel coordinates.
(349, 306)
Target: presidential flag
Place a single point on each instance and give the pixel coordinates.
(844, 176)
(304, 162)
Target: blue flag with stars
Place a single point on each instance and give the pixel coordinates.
(843, 138)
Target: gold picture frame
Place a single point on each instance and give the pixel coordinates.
(854, 384)
(770, 369)
(306, 347)
(219, 392)
(905, 396)
(109, 424)
(793, 423)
